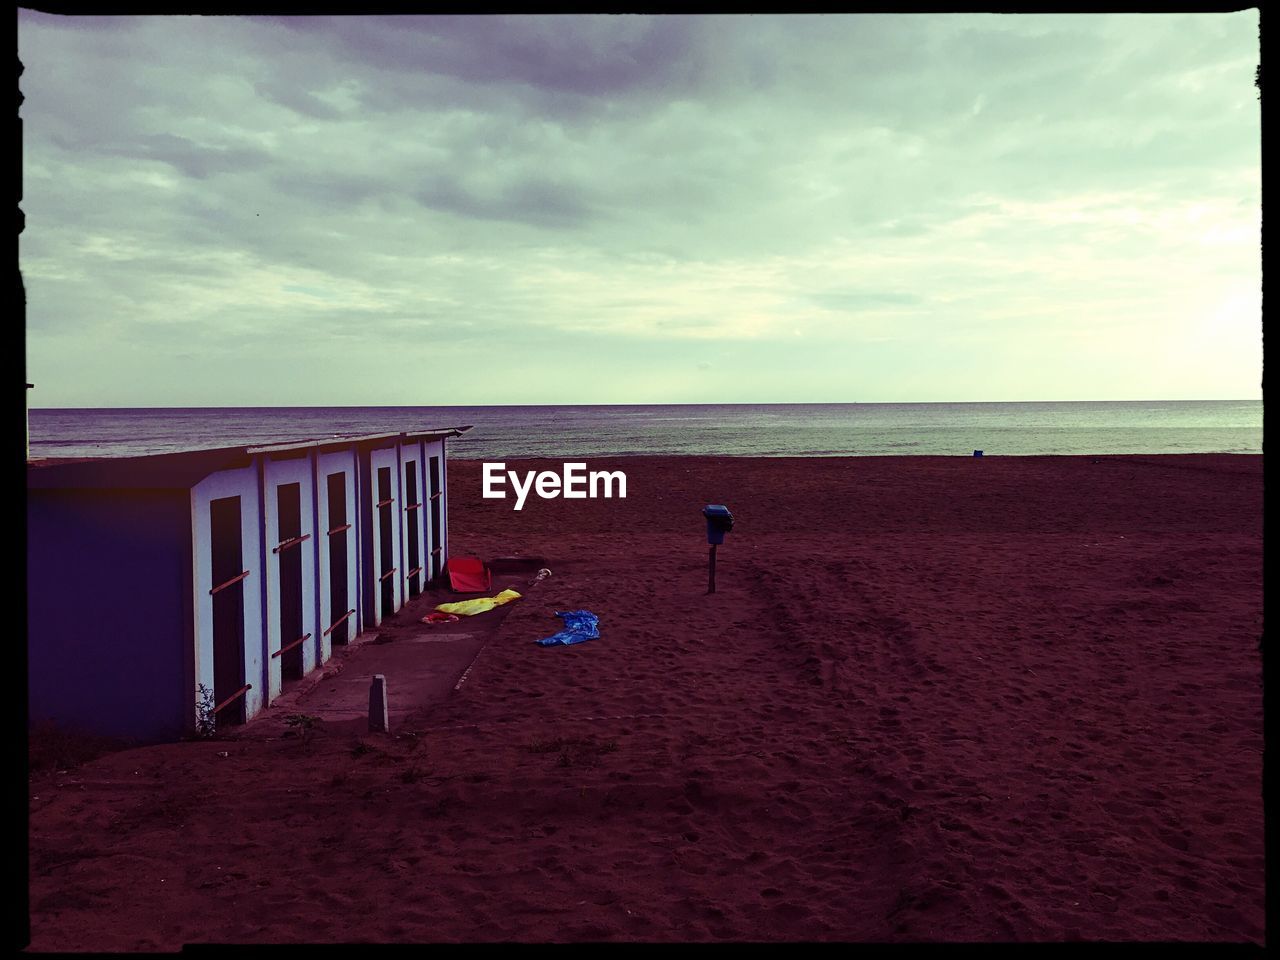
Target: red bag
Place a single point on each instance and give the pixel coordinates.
(469, 575)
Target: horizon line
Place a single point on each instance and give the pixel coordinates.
(678, 403)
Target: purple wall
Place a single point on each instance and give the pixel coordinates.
(108, 611)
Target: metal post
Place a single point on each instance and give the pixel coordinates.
(711, 570)
(378, 705)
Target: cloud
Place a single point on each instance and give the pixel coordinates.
(535, 200)
(193, 160)
(632, 186)
(553, 60)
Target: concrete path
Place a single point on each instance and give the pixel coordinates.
(422, 664)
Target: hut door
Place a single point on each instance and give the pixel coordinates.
(386, 559)
(228, 609)
(289, 514)
(413, 517)
(437, 541)
(338, 527)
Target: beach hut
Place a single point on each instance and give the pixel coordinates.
(337, 548)
(289, 564)
(436, 494)
(382, 526)
(404, 535)
(422, 460)
(225, 556)
(140, 591)
(170, 591)
(412, 515)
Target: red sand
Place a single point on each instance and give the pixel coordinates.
(932, 699)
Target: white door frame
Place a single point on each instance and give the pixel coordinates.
(275, 474)
(387, 457)
(341, 461)
(242, 483)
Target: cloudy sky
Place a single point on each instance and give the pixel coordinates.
(626, 209)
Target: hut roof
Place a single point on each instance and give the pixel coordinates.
(184, 469)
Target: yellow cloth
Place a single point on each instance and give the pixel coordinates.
(467, 608)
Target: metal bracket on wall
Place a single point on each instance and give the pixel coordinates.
(291, 543)
(300, 640)
(230, 583)
(339, 622)
(233, 698)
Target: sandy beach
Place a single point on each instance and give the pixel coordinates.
(932, 698)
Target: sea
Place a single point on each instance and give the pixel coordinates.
(759, 430)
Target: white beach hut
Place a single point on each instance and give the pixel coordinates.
(413, 514)
(218, 576)
(382, 525)
(337, 548)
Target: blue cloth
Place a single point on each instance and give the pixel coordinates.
(579, 625)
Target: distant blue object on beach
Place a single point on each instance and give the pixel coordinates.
(579, 625)
(977, 453)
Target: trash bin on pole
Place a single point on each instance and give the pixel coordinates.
(719, 522)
